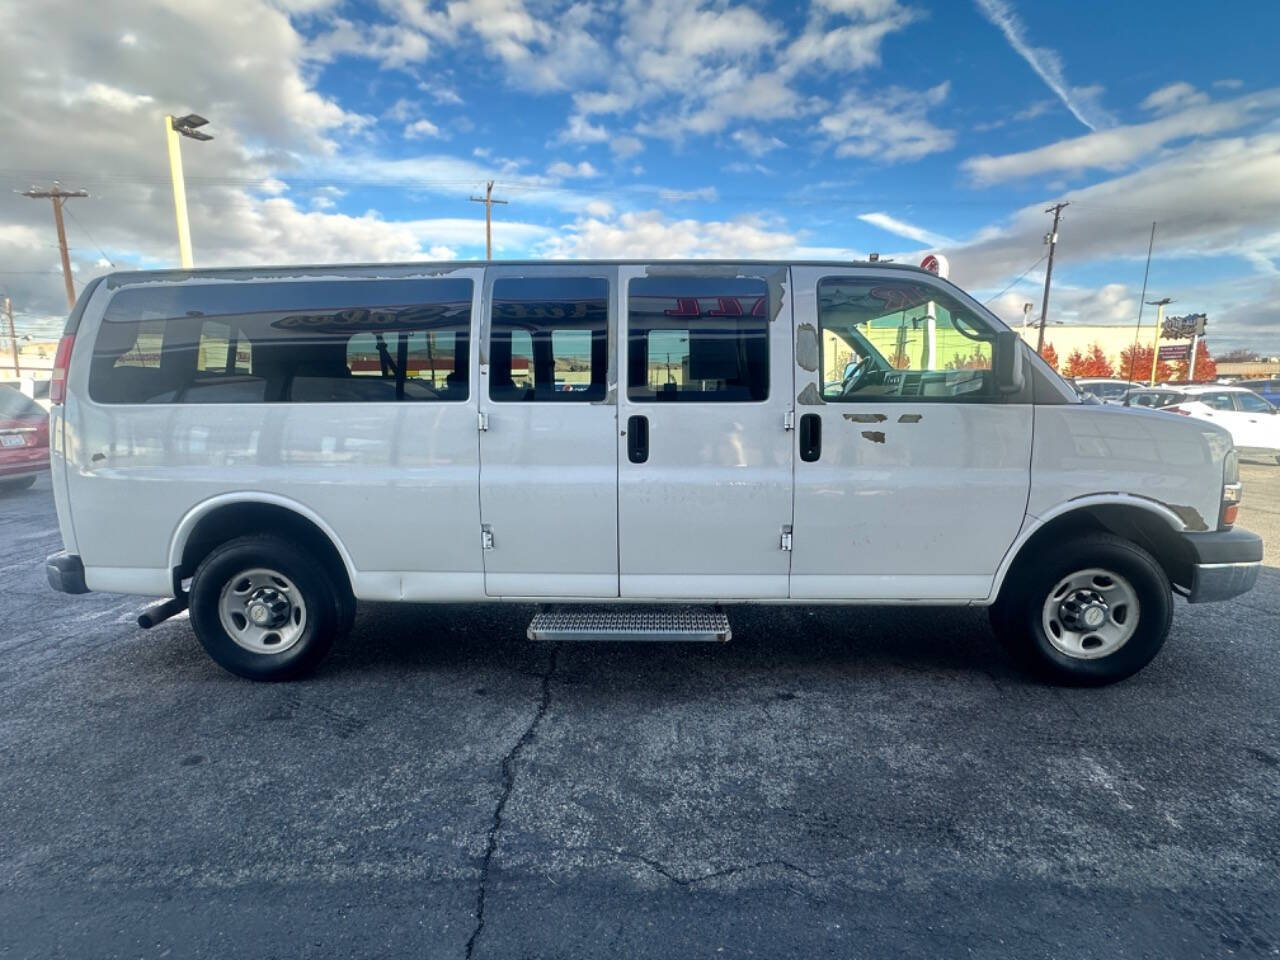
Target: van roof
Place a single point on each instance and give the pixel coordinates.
(409, 268)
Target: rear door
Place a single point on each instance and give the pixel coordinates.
(548, 441)
(704, 456)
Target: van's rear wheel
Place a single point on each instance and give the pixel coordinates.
(265, 610)
(1091, 612)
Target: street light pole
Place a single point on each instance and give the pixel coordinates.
(186, 126)
(13, 338)
(1155, 345)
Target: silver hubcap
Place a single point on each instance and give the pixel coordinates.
(262, 611)
(1091, 613)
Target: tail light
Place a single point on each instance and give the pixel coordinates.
(1232, 490)
(61, 361)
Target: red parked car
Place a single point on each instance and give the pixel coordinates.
(24, 440)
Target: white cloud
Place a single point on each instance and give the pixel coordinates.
(903, 229)
(569, 170)
(701, 194)
(421, 130)
(650, 234)
(890, 127)
(624, 147)
(1047, 65)
(754, 142)
(1174, 96)
(581, 130)
(1117, 148)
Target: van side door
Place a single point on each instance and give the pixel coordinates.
(548, 419)
(704, 456)
(920, 482)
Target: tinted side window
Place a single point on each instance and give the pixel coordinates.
(1252, 403)
(1217, 401)
(888, 339)
(702, 339)
(549, 339)
(335, 342)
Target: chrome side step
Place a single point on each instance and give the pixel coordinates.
(631, 624)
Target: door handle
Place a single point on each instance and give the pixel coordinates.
(810, 437)
(638, 439)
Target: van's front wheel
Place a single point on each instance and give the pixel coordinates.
(263, 609)
(1091, 612)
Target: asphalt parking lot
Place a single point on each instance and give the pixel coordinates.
(833, 782)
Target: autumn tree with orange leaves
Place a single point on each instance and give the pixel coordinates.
(1135, 364)
(1091, 364)
(1050, 356)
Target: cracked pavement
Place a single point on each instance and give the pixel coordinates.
(835, 781)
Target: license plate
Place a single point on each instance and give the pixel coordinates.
(12, 440)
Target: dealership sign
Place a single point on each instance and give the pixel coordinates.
(1183, 328)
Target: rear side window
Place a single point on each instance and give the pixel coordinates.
(698, 339)
(1217, 401)
(298, 342)
(549, 339)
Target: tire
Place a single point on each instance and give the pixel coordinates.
(302, 610)
(13, 486)
(1091, 612)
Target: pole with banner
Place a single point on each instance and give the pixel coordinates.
(938, 265)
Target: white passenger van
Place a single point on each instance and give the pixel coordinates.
(270, 446)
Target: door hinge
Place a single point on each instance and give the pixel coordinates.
(482, 421)
(786, 539)
(486, 537)
(789, 420)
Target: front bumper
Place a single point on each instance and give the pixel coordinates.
(1224, 564)
(65, 572)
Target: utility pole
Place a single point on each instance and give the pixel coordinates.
(1155, 345)
(488, 202)
(59, 196)
(1052, 240)
(13, 337)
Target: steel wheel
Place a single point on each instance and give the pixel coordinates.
(262, 611)
(1090, 614)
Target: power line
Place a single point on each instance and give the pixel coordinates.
(1016, 282)
(90, 236)
(488, 202)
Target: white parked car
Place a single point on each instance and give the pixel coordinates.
(1252, 421)
(270, 446)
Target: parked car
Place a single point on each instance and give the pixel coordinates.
(1268, 390)
(24, 440)
(270, 446)
(1105, 389)
(1250, 419)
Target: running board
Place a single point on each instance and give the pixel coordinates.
(631, 624)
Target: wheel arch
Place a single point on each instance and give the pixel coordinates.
(230, 515)
(1148, 523)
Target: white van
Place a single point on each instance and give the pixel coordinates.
(270, 446)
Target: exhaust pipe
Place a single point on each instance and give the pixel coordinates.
(159, 612)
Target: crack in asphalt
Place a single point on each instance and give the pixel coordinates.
(508, 783)
(660, 868)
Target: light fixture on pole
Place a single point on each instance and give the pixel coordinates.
(187, 127)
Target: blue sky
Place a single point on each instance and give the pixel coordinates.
(357, 131)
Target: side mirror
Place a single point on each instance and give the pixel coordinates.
(1007, 354)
